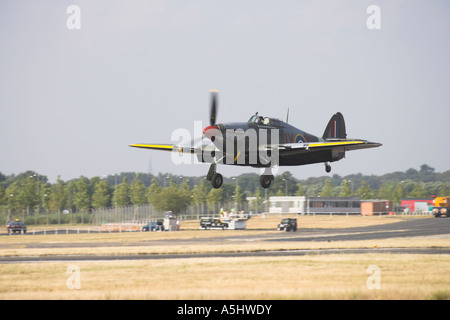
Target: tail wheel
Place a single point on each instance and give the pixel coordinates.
(265, 181)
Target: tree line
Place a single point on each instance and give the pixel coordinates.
(30, 193)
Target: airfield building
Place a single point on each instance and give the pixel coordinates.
(376, 207)
(315, 205)
(413, 205)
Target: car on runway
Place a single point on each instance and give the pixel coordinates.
(288, 224)
(154, 226)
(16, 226)
(212, 223)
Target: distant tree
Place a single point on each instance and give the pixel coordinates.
(81, 198)
(300, 191)
(313, 190)
(3, 197)
(385, 191)
(200, 193)
(215, 198)
(239, 198)
(58, 199)
(259, 201)
(122, 194)
(185, 193)
(412, 174)
(228, 194)
(444, 191)
(408, 186)
(101, 197)
(364, 191)
(28, 192)
(153, 191)
(185, 187)
(327, 190)
(426, 168)
(13, 201)
(346, 191)
(280, 192)
(398, 194)
(71, 190)
(138, 192)
(199, 196)
(418, 191)
(46, 193)
(390, 191)
(171, 198)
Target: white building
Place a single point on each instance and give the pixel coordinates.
(287, 205)
(312, 205)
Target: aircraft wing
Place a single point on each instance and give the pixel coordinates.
(344, 145)
(164, 147)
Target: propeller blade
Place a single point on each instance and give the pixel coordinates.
(213, 110)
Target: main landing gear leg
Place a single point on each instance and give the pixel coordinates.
(327, 167)
(266, 178)
(215, 177)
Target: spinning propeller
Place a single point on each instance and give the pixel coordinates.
(213, 109)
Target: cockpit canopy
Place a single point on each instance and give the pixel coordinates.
(257, 119)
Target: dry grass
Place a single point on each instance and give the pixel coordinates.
(304, 277)
(340, 276)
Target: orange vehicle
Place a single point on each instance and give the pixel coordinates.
(441, 206)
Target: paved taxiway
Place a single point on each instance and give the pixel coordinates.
(426, 227)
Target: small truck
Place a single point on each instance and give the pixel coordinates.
(212, 223)
(441, 206)
(288, 224)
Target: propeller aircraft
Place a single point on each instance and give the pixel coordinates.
(265, 142)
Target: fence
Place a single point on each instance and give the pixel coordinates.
(146, 213)
(143, 214)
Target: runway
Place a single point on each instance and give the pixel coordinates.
(426, 227)
(279, 253)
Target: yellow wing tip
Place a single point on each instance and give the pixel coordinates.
(152, 146)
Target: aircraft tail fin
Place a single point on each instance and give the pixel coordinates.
(335, 128)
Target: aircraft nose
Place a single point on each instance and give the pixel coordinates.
(211, 132)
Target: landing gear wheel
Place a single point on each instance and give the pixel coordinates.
(265, 181)
(217, 180)
(327, 168)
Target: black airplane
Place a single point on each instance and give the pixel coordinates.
(264, 142)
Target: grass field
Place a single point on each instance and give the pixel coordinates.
(339, 276)
(334, 276)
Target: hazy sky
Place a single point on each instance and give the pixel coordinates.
(71, 101)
